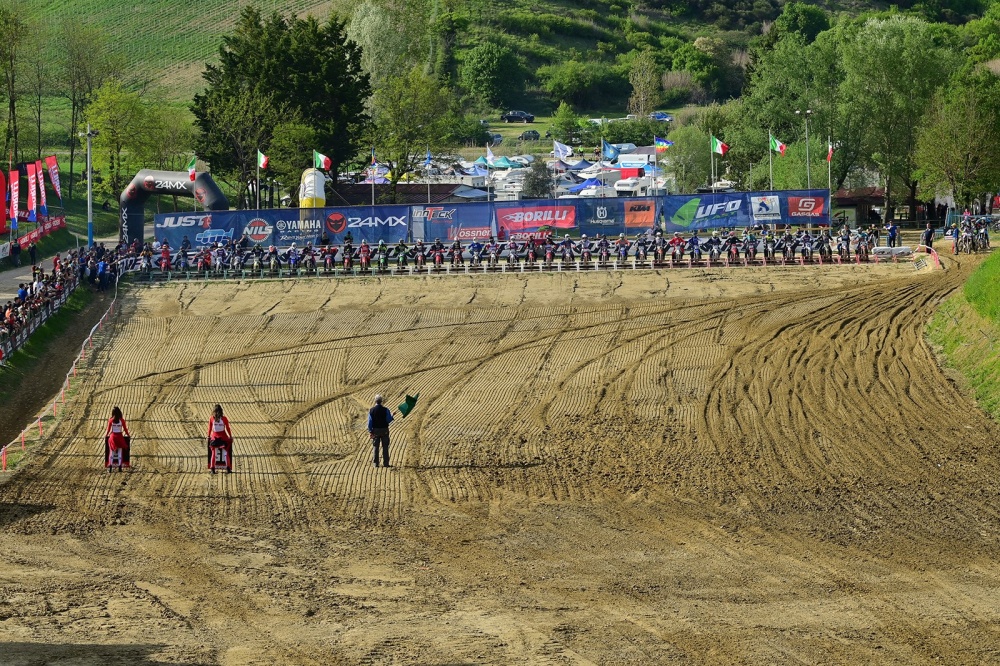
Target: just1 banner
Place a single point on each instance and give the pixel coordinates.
(744, 209)
(282, 227)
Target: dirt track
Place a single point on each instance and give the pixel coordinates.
(752, 467)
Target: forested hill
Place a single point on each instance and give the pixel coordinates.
(551, 50)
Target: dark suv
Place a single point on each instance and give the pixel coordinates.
(529, 135)
(517, 117)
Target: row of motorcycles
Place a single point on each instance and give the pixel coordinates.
(656, 251)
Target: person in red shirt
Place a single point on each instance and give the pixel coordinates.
(677, 244)
(116, 442)
(165, 259)
(220, 435)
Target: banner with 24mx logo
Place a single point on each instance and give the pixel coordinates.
(504, 220)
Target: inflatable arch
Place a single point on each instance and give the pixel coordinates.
(147, 183)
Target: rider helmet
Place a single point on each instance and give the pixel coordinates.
(364, 242)
(715, 233)
(584, 236)
(567, 236)
(621, 235)
(270, 249)
(677, 233)
(381, 242)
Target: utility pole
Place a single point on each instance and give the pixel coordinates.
(90, 134)
(805, 114)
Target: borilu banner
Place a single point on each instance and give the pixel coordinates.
(519, 220)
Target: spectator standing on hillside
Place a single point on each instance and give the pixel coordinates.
(32, 253)
(15, 252)
(379, 418)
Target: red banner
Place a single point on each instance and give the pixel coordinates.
(15, 193)
(53, 165)
(532, 217)
(32, 204)
(41, 186)
(805, 206)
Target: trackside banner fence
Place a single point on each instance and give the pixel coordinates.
(504, 219)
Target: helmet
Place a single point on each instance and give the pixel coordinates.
(400, 240)
(583, 236)
(381, 242)
(621, 235)
(677, 233)
(567, 236)
(715, 233)
(270, 249)
(364, 242)
(437, 240)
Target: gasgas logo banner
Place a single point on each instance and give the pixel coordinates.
(285, 226)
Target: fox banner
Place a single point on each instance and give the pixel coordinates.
(282, 227)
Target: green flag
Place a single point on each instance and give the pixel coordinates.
(408, 404)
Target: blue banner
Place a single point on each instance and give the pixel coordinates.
(503, 219)
(284, 226)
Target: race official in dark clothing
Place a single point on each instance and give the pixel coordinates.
(379, 418)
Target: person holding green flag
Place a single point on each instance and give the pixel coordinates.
(379, 418)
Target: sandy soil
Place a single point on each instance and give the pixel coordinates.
(736, 467)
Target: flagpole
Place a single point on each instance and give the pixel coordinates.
(372, 171)
(770, 160)
(711, 155)
(258, 180)
(829, 163)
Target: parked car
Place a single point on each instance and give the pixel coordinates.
(495, 139)
(661, 116)
(529, 135)
(517, 117)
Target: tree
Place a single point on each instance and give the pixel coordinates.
(37, 79)
(537, 182)
(951, 155)
(168, 136)
(119, 116)
(411, 115)
(233, 128)
(12, 34)
(689, 158)
(290, 154)
(85, 63)
(644, 76)
(492, 73)
(381, 32)
(313, 69)
(892, 70)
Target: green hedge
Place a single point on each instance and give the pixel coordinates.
(982, 290)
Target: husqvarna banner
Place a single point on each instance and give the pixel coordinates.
(282, 227)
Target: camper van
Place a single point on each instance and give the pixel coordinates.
(633, 187)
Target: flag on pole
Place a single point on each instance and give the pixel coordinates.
(32, 204)
(489, 155)
(53, 165)
(777, 146)
(427, 160)
(829, 150)
(661, 145)
(719, 147)
(321, 161)
(561, 150)
(262, 160)
(608, 151)
(191, 166)
(43, 207)
(15, 194)
(407, 406)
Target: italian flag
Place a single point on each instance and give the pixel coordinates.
(262, 160)
(829, 151)
(777, 146)
(719, 147)
(191, 167)
(321, 161)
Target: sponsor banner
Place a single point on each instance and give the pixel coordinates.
(743, 209)
(467, 222)
(285, 226)
(534, 215)
(32, 203)
(15, 192)
(4, 250)
(43, 206)
(765, 207)
(806, 206)
(53, 164)
(640, 213)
